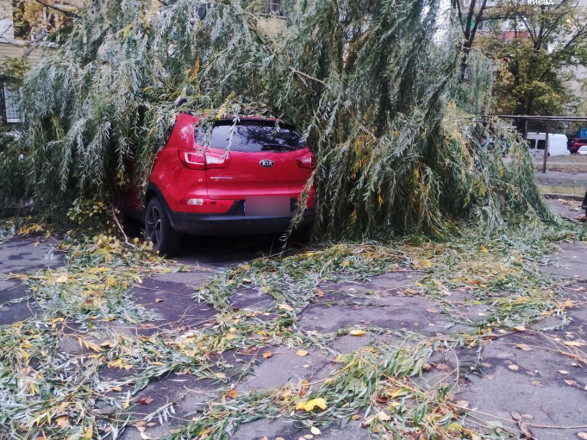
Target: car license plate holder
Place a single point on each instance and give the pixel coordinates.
(267, 206)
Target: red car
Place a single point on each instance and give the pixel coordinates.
(576, 143)
(242, 178)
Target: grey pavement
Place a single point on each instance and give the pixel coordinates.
(545, 384)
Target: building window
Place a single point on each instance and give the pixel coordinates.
(273, 7)
(11, 111)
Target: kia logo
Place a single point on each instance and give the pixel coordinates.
(266, 163)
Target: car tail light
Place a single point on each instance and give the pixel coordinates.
(198, 160)
(306, 161)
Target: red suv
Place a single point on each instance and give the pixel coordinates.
(576, 143)
(243, 177)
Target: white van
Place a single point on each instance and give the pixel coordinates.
(557, 144)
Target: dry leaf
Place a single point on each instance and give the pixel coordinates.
(267, 354)
(286, 307)
(62, 422)
(302, 353)
(383, 416)
(520, 328)
(524, 347)
(220, 376)
(442, 367)
(357, 332)
(144, 400)
(116, 389)
(574, 343)
(582, 435)
(513, 367)
(310, 405)
(356, 417)
(563, 372)
(570, 382)
(315, 430)
(158, 300)
(247, 280)
(233, 394)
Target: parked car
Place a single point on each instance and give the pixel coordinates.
(582, 151)
(576, 143)
(557, 144)
(241, 178)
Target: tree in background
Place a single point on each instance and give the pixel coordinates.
(536, 50)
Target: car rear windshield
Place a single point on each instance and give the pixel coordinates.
(251, 136)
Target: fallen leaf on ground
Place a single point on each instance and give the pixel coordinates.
(357, 332)
(310, 405)
(520, 328)
(570, 382)
(315, 430)
(442, 367)
(302, 353)
(267, 354)
(383, 416)
(233, 394)
(144, 400)
(563, 372)
(158, 300)
(62, 422)
(513, 367)
(574, 343)
(582, 435)
(285, 307)
(356, 417)
(524, 347)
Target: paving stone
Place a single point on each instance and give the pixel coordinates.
(528, 382)
(191, 279)
(188, 395)
(21, 255)
(173, 305)
(569, 263)
(391, 312)
(286, 366)
(253, 299)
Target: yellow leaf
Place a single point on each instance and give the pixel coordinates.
(285, 307)
(89, 433)
(357, 332)
(454, 426)
(233, 394)
(62, 422)
(310, 405)
(574, 343)
(484, 250)
(383, 416)
(221, 376)
(302, 353)
(345, 263)
(230, 336)
(267, 354)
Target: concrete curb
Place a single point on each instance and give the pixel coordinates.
(563, 196)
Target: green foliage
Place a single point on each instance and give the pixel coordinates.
(367, 83)
(538, 57)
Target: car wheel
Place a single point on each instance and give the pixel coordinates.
(158, 229)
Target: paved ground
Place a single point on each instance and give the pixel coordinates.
(542, 383)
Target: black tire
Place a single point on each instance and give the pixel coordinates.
(158, 229)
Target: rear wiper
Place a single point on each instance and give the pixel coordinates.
(276, 147)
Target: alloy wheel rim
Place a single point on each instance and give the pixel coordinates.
(154, 226)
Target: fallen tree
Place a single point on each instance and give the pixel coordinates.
(373, 85)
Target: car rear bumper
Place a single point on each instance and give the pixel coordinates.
(219, 224)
